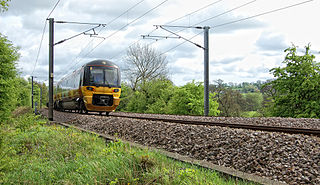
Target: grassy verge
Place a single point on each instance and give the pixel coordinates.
(33, 152)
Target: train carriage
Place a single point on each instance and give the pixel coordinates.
(95, 87)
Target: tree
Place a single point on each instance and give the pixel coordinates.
(296, 89)
(188, 100)
(8, 96)
(160, 91)
(231, 102)
(45, 92)
(23, 92)
(150, 97)
(143, 64)
(253, 101)
(126, 96)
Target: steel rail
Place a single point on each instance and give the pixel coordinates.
(289, 130)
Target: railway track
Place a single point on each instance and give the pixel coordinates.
(290, 158)
(289, 130)
(228, 172)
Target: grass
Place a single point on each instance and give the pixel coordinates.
(33, 152)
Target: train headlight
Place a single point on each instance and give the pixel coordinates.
(90, 88)
(115, 90)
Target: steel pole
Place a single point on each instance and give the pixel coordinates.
(51, 45)
(32, 92)
(206, 70)
(40, 96)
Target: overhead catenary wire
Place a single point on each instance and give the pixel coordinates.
(107, 24)
(127, 25)
(228, 11)
(131, 22)
(220, 25)
(169, 22)
(42, 36)
(84, 33)
(187, 40)
(53, 8)
(181, 43)
(216, 16)
(235, 21)
(104, 38)
(103, 25)
(83, 23)
(195, 25)
(260, 14)
(232, 22)
(193, 12)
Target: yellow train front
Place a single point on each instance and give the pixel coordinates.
(95, 87)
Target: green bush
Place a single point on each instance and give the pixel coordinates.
(162, 97)
(150, 97)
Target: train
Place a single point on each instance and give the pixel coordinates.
(95, 87)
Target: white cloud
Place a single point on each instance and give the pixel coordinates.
(243, 51)
(271, 42)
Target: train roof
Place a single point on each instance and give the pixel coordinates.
(101, 63)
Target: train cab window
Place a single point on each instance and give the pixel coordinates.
(96, 76)
(104, 76)
(111, 76)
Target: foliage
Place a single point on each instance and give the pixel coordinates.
(137, 103)
(244, 87)
(189, 100)
(29, 155)
(253, 101)
(14, 90)
(23, 92)
(126, 96)
(8, 96)
(161, 96)
(296, 89)
(231, 102)
(160, 92)
(151, 97)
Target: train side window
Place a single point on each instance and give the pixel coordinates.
(77, 80)
(81, 77)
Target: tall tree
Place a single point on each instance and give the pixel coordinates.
(296, 89)
(144, 63)
(231, 102)
(8, 56)
(253, 101)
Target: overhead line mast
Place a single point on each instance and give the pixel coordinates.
(205, 48)
(51, 55)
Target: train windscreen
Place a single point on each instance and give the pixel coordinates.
(104, 76)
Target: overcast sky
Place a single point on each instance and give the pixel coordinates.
(241, 52)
